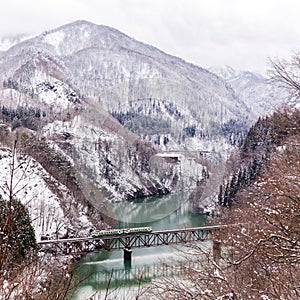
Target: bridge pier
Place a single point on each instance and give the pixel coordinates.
(216, 250)
(127, 257)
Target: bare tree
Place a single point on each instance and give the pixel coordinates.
(260, 257)
(17, 238)
(286, 74)
(23, 273)
(14, 232)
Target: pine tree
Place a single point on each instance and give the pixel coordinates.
(17, 238)
(233, 186)
(18, 234)
(240, 179)
(226, 201)
(221, 196)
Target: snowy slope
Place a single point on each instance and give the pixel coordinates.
(31, 186)
(116, 71)
(254, 89)
(118, 163)
(9, 41)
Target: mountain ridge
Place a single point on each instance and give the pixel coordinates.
(112, 62)
(109, 104)
(254, 88)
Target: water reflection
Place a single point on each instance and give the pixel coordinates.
(108, 268)
(151, 209)
(117, 274)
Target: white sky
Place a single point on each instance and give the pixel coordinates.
(239, 33)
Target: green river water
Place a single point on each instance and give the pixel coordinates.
(103, 268)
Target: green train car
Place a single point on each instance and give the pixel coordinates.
(113, 232)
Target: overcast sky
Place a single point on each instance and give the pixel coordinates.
(239, 33)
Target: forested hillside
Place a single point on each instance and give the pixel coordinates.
(257, 251)
(265, 242)
(265, 138)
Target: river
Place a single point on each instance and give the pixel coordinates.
(103, 268)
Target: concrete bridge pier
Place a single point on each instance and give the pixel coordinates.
(216, 250)
(127, 257)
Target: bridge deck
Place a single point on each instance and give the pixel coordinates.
(82, 245)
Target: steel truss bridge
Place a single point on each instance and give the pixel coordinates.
(84, 245)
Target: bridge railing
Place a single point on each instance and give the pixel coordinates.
(84, 245)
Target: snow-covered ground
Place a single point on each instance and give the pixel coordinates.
(31, 185)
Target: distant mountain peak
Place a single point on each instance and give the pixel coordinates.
(224, 72)
(82, 25)
(79, 35)
(253, 88)
(8, 41)
(228, 73)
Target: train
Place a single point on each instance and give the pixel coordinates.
(112, 232)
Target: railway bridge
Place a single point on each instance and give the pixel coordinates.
(126, 241)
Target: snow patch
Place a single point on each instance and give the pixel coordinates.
(55, 39)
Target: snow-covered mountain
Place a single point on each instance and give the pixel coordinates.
(8, 41)
(125, 77)
(254, 89)
(92, 98)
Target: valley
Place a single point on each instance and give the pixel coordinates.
(99, 130)
(107, 104)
